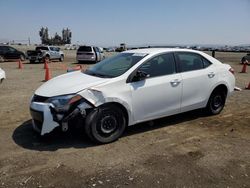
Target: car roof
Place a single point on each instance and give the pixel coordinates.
(160, 50)
(155, 51)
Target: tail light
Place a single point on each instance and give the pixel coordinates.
(231, 70)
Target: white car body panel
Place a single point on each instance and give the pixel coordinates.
(145, 95)
(48, 124)
(2, 74)
(144, 100)
(68, 83)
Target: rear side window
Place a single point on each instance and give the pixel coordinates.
(85, 49)
(191, 61)
(206, 63)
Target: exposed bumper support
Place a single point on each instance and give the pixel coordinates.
(49, 118)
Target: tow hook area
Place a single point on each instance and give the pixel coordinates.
(64, 126)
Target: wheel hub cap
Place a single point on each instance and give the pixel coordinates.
(108, 124)
(217, 101)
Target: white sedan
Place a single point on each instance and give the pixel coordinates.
(2, 75)
(129, 88)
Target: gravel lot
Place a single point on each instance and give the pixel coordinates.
(186, 150)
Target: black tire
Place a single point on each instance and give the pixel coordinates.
(61, 58)
(216, 102)
(46, 58)
(22, 57)
(105, 124)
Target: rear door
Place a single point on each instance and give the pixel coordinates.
(159, 94)
(198, 77)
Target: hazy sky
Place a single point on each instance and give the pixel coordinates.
(135, 22)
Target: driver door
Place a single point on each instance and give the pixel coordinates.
(159, 94)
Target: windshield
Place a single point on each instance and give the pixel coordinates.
(115, 66)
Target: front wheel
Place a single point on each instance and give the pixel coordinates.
(216, 102)
(105, 124)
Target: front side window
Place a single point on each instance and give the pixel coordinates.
(189, 61)
(115, 66)
(12, 49)
(160, 65)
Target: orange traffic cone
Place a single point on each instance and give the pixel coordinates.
(244, 68)
(20, 65)
(248, 87)
(47, 74)
(45, 64)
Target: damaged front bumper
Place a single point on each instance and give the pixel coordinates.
(46, 117)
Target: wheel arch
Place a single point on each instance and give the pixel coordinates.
(119, 105)
(220, 86)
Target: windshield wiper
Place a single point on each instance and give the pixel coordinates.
(97, 74)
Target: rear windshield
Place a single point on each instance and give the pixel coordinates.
(85, 49)
(41, 48)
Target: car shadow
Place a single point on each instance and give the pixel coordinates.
(173, 120)
(25, 136)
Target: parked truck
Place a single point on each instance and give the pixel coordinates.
(45, 52)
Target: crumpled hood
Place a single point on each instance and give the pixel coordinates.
(68, 83)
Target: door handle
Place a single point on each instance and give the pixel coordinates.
(211, 75)
(175, 82)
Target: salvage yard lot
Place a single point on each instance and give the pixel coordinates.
(186, 150)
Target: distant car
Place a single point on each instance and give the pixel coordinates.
(45, 52)
(2, 75)
(8, 52)
(129, 88)
(110, 50)
(89, 54)
(246, 57)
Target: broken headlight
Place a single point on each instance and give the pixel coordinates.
(64, 101)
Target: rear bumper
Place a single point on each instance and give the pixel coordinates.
(35, 58)
(86, 58)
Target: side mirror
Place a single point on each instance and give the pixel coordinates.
(140, 75)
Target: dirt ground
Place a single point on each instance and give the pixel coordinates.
(186, 150)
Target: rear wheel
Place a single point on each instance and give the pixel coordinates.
(22, 57)
(46, 58)
(105, 124)
(216, 102)
(61, 58)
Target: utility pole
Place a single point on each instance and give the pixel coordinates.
(29, 40)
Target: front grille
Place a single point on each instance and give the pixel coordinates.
(37, 98)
